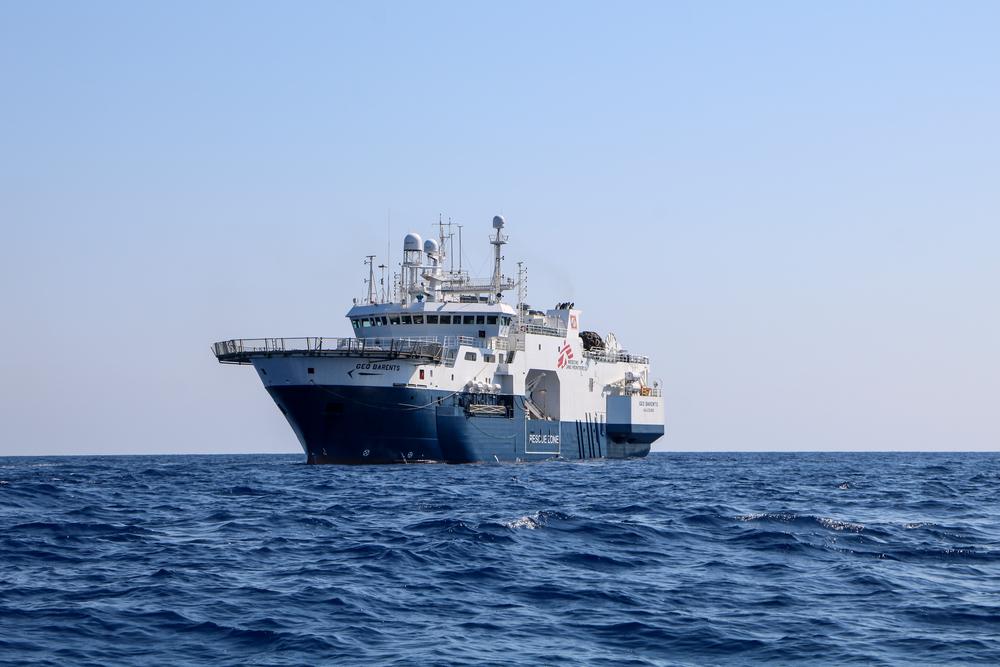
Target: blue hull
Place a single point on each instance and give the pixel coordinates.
(364, 425)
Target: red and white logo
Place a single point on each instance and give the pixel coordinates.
(565, 354)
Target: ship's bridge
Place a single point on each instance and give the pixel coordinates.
(472, 319)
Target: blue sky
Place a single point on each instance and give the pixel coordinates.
(792, 207)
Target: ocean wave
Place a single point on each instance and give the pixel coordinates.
(528, 522)
(679, 559)
(803, 519)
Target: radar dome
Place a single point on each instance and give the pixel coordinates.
(412, 241)
(431, 246)
(498, 222)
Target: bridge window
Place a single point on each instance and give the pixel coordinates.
(432, 319)
(480, 319)
(469, 319)
(394, 319)
(356, 323)
(470, 356)
(446, 319)
(418, 319)
(406, 319)
(384, 321)
(366, 323)
(492, 319)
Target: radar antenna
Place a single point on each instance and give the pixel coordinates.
(498, 242)
(370, 261)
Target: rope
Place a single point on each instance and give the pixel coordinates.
(454, 393)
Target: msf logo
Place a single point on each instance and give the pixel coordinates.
(565, 354)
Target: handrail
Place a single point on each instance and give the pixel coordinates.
(543, 330)
(429, 346)
(622, 356)
(442, 347)
(641, 392)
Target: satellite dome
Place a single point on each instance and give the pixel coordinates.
(498, 222)
(431, 246)
(412, 241)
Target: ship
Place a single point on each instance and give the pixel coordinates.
(442, 368)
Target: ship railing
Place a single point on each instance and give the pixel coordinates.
(638, 391)
(615, 357)
(497, 343)
(509, 343)
(433, 347)
(543, 330)
(453, 343)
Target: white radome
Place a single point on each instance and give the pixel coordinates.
(412, 241)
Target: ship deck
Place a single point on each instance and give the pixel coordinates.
(442, 349)
(243, 350)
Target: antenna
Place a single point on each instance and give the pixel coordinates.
(498, 242)
(381, 280)
(371, 278)
(441, 246)
(451, 249)
(522, 291)
(459, 247)
(400, 287)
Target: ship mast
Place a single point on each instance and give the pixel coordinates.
(522, 293)
(370, 261)
(498, 242)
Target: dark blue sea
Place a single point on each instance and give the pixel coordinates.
(675, 559)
